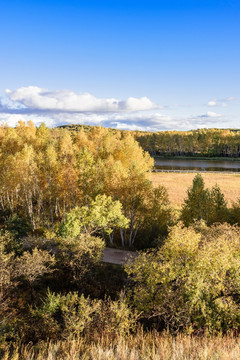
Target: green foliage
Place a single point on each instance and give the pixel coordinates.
(192, 282)
(15, 229)
(197, 143)
(158, 217)
(204, 204)
(31, 266)
(66, 316)
(62, 316)
(14, 271)
(235, 212)
(76, 256)
(6, 273)
(218, 207)
(197, 203)
(103, 214)
(17, 226)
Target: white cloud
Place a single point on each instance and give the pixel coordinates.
(12, 119)
(147, 121)
(37, 98)
(56, 108)
(134, 104)
(212, 103)
(213, 114)
(221, 102)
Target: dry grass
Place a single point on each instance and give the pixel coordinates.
(142, 346)
(178, 183)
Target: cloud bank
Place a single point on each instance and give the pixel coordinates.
(36, 98)
(63, 107)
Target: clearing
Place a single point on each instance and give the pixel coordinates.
(178, 183)
(117, 256)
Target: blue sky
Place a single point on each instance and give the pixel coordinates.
(148, 65)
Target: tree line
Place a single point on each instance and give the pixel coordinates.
(201, 142)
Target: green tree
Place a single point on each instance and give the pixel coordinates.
(196, 205)
(218, 207)
(102, 215)
(204, 204)
(235, 212)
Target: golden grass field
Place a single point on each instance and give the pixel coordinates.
(178, 183)
(134, 347)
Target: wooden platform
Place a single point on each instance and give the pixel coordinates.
(116, 256)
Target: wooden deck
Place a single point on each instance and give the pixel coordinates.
(116, 256)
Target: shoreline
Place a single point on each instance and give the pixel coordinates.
(216, 158)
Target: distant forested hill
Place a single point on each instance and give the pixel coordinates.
(203, 142)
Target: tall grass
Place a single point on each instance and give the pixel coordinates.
(178, 183)
(152, 346)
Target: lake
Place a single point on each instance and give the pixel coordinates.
(197, 165)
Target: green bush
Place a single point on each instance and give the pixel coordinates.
(235, 212)
(192, 283)
(70, 315)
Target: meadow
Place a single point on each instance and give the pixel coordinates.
(177, 184)
(150, 346)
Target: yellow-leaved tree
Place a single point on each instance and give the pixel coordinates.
(192, 282)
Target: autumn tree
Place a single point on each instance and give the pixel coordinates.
(45, 174)
(192, 282)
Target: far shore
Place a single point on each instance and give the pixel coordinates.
(181, 157)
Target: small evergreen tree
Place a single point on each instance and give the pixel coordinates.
(196, 206)
(235, 212)
(204, 204)
(218, 206)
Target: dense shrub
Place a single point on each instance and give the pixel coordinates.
(64, 316)
(235, 212)
(192, 282)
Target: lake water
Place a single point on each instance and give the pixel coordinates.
(198, 165)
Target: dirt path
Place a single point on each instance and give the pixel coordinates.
(116, 256)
